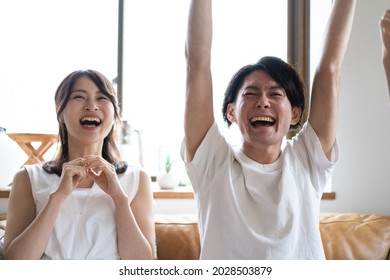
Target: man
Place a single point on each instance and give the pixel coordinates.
(262, 201)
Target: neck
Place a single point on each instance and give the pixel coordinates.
(262, 155)
(79, 150)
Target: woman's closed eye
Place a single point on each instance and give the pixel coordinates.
(77, 96)
(103, 97)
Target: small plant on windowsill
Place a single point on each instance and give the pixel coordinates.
(167, 180)
(168, 164)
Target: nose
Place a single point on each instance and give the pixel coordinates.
(263, 102)
(90, 105)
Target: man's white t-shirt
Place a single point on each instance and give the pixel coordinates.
(249, 210)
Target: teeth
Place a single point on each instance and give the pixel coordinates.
(90, 119)
(262, 119)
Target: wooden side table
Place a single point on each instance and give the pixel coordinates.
(35, 155)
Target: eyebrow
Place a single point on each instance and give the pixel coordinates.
(84, 91)
(268, 88)
(251, 87)
(275, 87)
(78, 90)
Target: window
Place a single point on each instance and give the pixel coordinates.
(40, 48)
(154, 63)
(42, 42)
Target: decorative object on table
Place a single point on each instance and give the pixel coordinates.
(131, 152)
(167, 180)
(11, 158)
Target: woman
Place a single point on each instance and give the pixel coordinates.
(86, 203)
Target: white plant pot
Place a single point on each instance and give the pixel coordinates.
(167, 181)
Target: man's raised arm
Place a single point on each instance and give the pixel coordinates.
(326, 84)
(199, 115)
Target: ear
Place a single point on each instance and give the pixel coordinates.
(231, 113)
(296, 115)
(61, 118)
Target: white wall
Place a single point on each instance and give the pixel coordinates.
(362, 176)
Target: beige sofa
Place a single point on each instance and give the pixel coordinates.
(344, 236)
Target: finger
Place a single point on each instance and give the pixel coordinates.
(76, 163)
(99, 164)
(386, 16)
(94, 172)
(90, 158)
(99, 171)
(385, 25)
(74, 171)
(76, 180)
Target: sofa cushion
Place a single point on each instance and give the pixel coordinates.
(177, 237)
(355, 236)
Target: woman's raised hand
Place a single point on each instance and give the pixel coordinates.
(103, 174)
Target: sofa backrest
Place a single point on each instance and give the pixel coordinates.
(344, 236)
(355, 236)
(177, 237)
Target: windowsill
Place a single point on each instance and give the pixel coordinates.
(185, 192)
(328, 196)
(4, 192)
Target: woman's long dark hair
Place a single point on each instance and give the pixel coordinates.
(110, 150)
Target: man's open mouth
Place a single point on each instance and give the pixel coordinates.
(262, 121)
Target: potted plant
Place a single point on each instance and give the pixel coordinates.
(167, 180)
